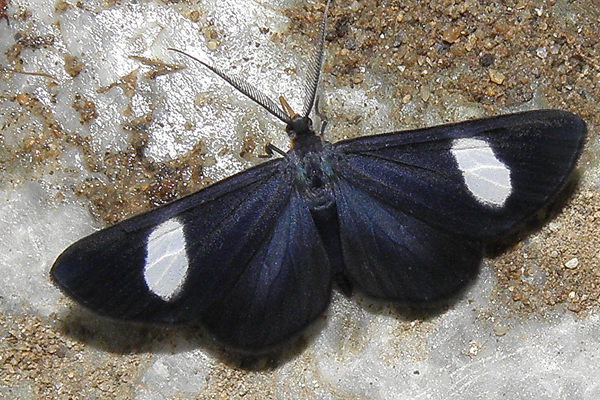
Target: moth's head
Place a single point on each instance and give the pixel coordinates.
(299, 126)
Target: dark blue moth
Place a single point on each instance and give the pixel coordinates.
(404, 216)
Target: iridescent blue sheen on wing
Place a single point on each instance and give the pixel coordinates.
(415, 172)
(258, 270)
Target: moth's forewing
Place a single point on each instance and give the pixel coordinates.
(477, 178)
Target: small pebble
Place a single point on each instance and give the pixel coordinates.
(212, 45)
(572, 263)
(23, 99)
(194, 16)
(500, 330)
(541, 52)
(425, 93)
(496, 76)
(487, 60)
(452, 34)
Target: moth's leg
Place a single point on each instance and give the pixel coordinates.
(270, 149)
(322, 117)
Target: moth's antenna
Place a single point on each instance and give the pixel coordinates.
(316, 62)
(245, 88)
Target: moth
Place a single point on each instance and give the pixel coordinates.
(402, 216)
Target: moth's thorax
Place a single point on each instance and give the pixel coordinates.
(310, 159)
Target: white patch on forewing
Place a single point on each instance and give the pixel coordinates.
(486, 177)
(166, 260)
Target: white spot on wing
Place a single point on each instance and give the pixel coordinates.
(166, 260)
(486, 177)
